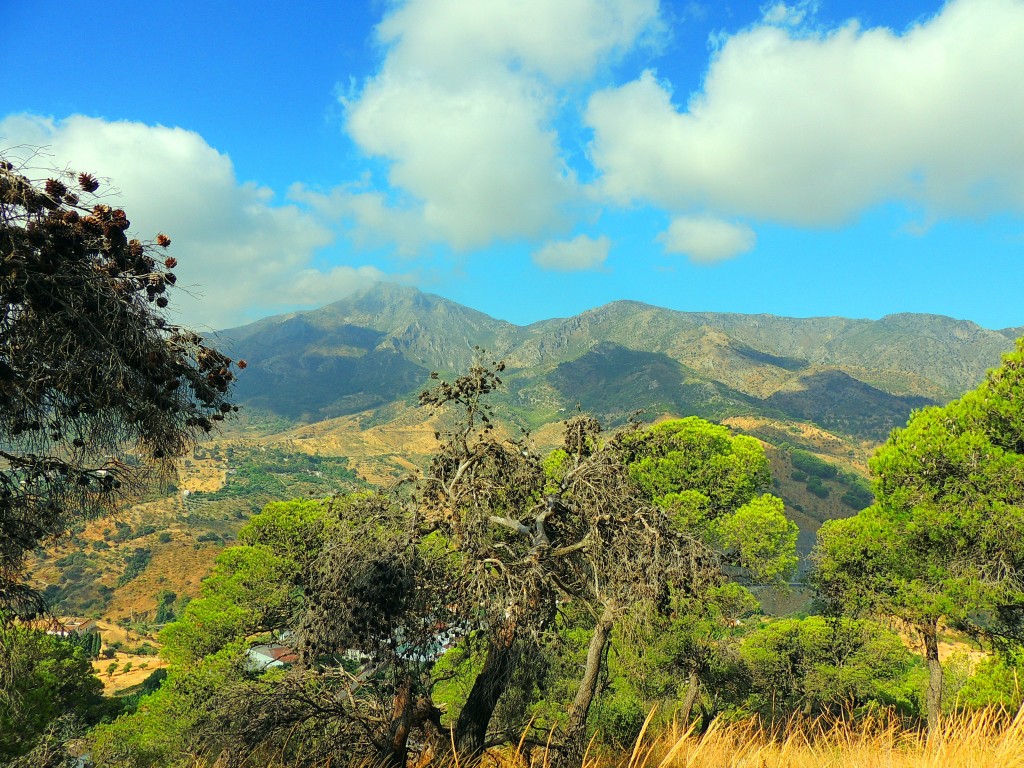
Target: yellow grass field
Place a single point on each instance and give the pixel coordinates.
(981, 740)
(987, 739)
(142, 667)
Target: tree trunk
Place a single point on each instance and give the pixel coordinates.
(408, 714)
(934, 694)
(808, 705)
(427, 718)
(574, 744)
(490, 684)
(707, 717)
(396, 751)
(692, 690)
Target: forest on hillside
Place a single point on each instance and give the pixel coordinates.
(508, 603)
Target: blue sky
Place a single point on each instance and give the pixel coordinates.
(533, 159)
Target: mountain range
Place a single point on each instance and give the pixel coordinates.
(857, 378)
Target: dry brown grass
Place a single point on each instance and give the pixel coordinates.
(179, 566)
(988, 739)
(981, 740)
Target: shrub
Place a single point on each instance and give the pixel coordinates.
(815, 486)
(812, 465)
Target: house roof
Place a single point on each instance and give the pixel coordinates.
(275, 652)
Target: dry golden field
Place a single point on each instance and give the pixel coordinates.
(987, 739)
(982, 740)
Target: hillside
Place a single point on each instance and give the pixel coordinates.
(329, 400)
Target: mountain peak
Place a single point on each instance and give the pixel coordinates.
(380, 343)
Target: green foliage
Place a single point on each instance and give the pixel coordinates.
(694, 455)
(267, 473)
(945, 540)
(819, 489)
(762, 537)
(73, 559)
(950, 492)
(619, 715)
(861, 565)
(549, 678)
(165, 606)
(207, 625)
(89, 642)
(135, 564)
(994, 681)
(858, 494)
(816, 664)
(51, 678)
(707, 479)
(810, 464)
(554, 466)
(252, 585)
(122, 533)
(130, 699)
(166, 727)
(543, 687)
(658, 654)
(455, 672)
(142, 649)
(292, 529)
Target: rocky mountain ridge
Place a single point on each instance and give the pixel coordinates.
(378, 346)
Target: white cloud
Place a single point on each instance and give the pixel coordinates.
(239, 251)
(582, 252)
(463, 109)
(373, 221)
(811, 129)
(781, 14)
(706, 239)
(477, 159)
(563, 41)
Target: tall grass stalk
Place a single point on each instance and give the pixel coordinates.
(985, 739)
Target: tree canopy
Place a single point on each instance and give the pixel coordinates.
(52, 678)
(945, 540)
(495, 552)
(95, 381)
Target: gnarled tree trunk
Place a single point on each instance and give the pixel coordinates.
(490, 684)
(408, 714)
(574, 743)
(692, 690)
(395, 751)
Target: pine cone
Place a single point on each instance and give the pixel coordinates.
(88, 182)
(55, 188)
